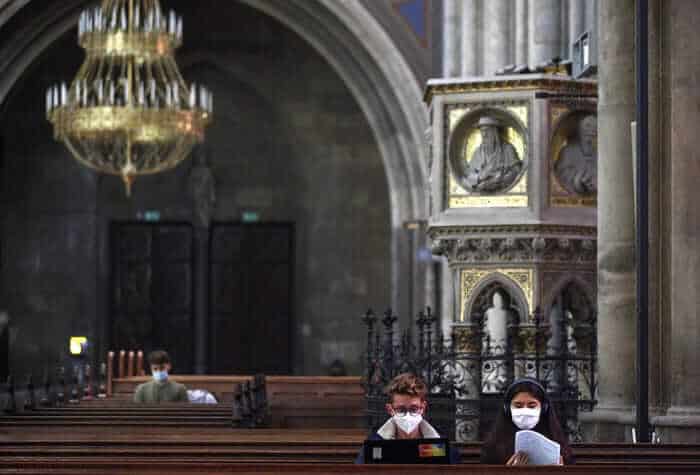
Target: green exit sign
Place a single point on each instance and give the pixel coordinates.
(250, 217)
(151, 215)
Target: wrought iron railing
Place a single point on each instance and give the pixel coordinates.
(467, 375)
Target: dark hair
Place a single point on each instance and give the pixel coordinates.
(408, 384)
(499, 445)
(158, 357)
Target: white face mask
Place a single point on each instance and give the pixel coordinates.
(160, 376)
(525, 418)
(407, 423)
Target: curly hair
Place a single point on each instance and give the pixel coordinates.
(406, 384)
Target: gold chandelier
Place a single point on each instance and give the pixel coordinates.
(128, 112)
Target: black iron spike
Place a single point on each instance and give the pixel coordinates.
(61, 395)
(74, 392)
(102, 382)
(46, 395)
(10, 403)
(30, 400)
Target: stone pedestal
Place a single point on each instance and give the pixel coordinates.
(513, 210)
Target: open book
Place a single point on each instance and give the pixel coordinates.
(539, 449)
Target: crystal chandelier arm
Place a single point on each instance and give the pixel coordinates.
(123, 79)
(130, 23)
(77, 83)
(183, 89)
(149, 76)
(109, 60)
(163, 76)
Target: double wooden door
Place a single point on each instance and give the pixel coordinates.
(250, 294)
(152, 290)
(251, 298)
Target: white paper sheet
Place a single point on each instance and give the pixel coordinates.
(539, 449)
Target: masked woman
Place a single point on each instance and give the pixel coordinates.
(525, 406)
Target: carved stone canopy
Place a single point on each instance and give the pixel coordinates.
(479, 250)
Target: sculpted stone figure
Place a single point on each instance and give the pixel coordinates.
(497, 323)
(494, 164)
(577, 167)
(202, 189)
(494, 372)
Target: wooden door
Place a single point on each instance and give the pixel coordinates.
(152, 290)
(251, 298)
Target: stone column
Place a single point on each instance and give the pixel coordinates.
(616, 253)
(451, 54)
(545, 30)
(577, 22)
(521, 32)
(659, 347)
(684, 53)
(202, 189)
(446, 304)
(591, 15)
(471, 29)
(201, 299)
(496, 43)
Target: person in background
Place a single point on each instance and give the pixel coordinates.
(525, 406)
(161, 389)
(406, 406)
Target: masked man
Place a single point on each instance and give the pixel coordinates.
(406, 406)
(161, 389)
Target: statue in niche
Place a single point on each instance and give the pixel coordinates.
(577, 167)
(202, 190)
(496, 325)
(569, 307)
(494, 164)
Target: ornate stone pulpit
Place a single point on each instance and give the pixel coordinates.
(513, 177)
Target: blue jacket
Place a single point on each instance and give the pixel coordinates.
(388, 431)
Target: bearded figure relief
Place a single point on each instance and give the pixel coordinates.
(494, 165)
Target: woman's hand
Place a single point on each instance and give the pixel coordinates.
(518, 458)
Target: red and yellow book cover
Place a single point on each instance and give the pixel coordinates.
(431, 450)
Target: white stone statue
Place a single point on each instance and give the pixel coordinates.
(494, 164)
(494, 371)
(577, 167)
(556, 328)
(497, 324)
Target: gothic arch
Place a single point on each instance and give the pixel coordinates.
(509, 284)
(588, 291)
(353, 43)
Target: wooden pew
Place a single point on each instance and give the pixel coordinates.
(263, 445)
(212, 465)
(313, 402)
(294, 401)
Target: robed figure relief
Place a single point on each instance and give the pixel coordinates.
(577, 167)
(494, 165)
